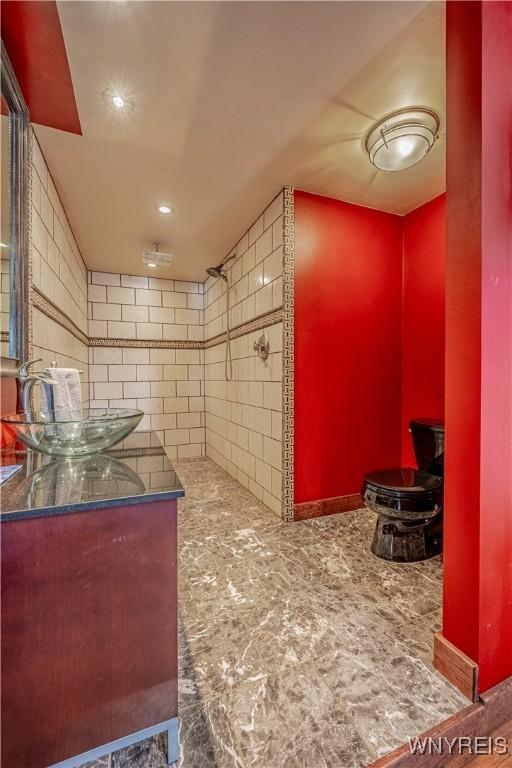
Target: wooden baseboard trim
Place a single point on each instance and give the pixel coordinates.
(479, 719)
(459, 669)
(332, 506)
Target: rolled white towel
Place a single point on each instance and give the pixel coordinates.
(67, 393)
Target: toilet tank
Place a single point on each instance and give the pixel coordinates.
(428, 442)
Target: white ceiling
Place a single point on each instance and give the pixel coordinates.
(231, 102)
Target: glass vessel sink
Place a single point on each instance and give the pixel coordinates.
(73, 434)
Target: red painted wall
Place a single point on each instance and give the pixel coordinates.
(375, 283)
(8, 401)
(348, 307)
(423, 330)
(32, 36)
(478, 486)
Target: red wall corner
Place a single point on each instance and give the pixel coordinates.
(348, 284)
(423, 322)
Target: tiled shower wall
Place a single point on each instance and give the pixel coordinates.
(244, 415)
(159, 345)
(59, 276)
(142, 316)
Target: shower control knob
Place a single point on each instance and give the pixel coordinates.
(262, 346)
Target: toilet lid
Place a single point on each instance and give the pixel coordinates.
(404, 481)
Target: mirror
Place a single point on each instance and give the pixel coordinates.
(14, 127)
(5, 232)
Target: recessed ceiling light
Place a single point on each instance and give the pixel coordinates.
(165, 208)
(150, 264)
(402, 139)
(3, 245)
(113, 98)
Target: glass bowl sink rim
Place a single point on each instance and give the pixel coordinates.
(91, 414)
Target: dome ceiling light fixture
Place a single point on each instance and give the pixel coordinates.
(402, 138)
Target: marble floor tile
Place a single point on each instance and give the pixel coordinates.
(297, 647)
(146, 754)
(284, 720)
(101, 762)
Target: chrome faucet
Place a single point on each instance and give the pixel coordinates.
(27, 381)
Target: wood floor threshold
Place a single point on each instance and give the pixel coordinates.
(310, 509)
(459, 669)
(480, 719)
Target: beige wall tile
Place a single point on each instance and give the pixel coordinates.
(137, 389)
(185, 287)
(148, 297)
(274, 210)
(176, 436)
(162, 356)
(176, 405)
(149, 331)
(106, 355)
(136, 356)
(173, 299)
(160, 284)
(132, 281)
(106, 391)
(161, 315)
(189, 420)
(264, 245)
(188, 388)
(97, 293)
(187, 316)
(273, 265)
(106, 311)
(192, 451)
(135, 314)
(122, 373)
(164, 388)
(98, 328)
(120, 295)
(150, 373)
(105, 278)
(175, 332)
(256, 230)
(163, 421)
(119, 330)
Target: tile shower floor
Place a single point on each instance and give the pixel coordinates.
(297, 646)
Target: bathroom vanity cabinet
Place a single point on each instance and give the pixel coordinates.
(89, 607)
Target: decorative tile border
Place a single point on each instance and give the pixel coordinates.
(135, 453)
(271, 318)
(288, 355)
(48, 308)
(145, 343)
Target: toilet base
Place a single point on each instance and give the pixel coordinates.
(407, 541)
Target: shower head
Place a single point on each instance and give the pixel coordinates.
(217, 272)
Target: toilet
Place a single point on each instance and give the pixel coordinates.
(409, 501)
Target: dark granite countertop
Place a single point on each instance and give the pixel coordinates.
(136, 471)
